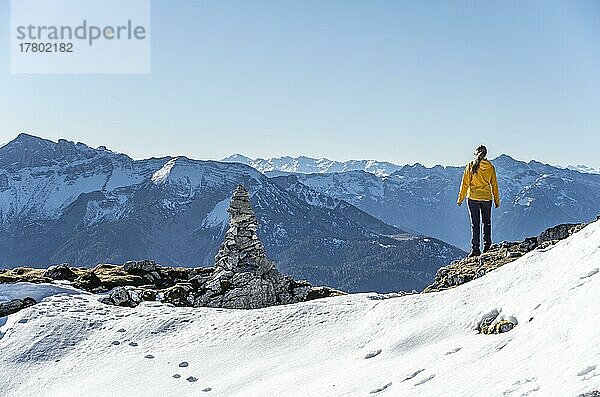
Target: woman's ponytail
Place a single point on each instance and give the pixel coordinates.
(480, 152)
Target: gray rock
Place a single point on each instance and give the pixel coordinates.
(13, 306)
(559, 232)
(121, 296)
(487, 321)
(145, 266)
(60, 272)
(490, 325)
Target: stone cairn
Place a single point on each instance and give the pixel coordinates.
(242, 250)
(244, 277)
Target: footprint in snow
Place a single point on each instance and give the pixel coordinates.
(577, 286)
(121, 330)
(523, 386)
(453, 351)
(586, 370)
(134, 344)
(373, 353)
(380, 389)
(176, 376)
(591, 273)
(425, 380)
(417, 372)
(183, 364)
(207, 389)
(115, 342)
(191, 379)
(148, 356)
(502, 345)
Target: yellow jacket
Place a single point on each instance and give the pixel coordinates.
(481, 185)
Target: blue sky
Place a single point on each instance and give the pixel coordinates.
(422, 81)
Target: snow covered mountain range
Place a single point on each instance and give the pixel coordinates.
(584, 168)
(307, 165)
(67, 202)
(422, 199)
(417, 345)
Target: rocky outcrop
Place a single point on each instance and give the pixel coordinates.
(243, 277)
(105, 277)
(13, 306)
(60, 272)
(467, 269)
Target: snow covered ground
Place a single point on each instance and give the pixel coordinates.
(356, 345)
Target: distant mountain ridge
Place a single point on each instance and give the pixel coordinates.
(584, 169)
(67, 202)
(308, 165)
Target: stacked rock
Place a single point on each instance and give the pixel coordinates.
(242, 250)
(244, 277)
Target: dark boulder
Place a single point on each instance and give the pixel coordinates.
(13, 306)
(60, 272)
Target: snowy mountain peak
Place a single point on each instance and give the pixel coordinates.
(24, 139)
(31, 151)
(237, 158)
(24, 146)
(504, 157)
(186, 173)
(583, 169)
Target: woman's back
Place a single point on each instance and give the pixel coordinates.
(480, 185)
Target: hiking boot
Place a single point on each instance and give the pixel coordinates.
(474, 252)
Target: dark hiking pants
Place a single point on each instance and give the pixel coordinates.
(481, 212)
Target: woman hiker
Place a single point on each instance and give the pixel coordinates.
(479, 186)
